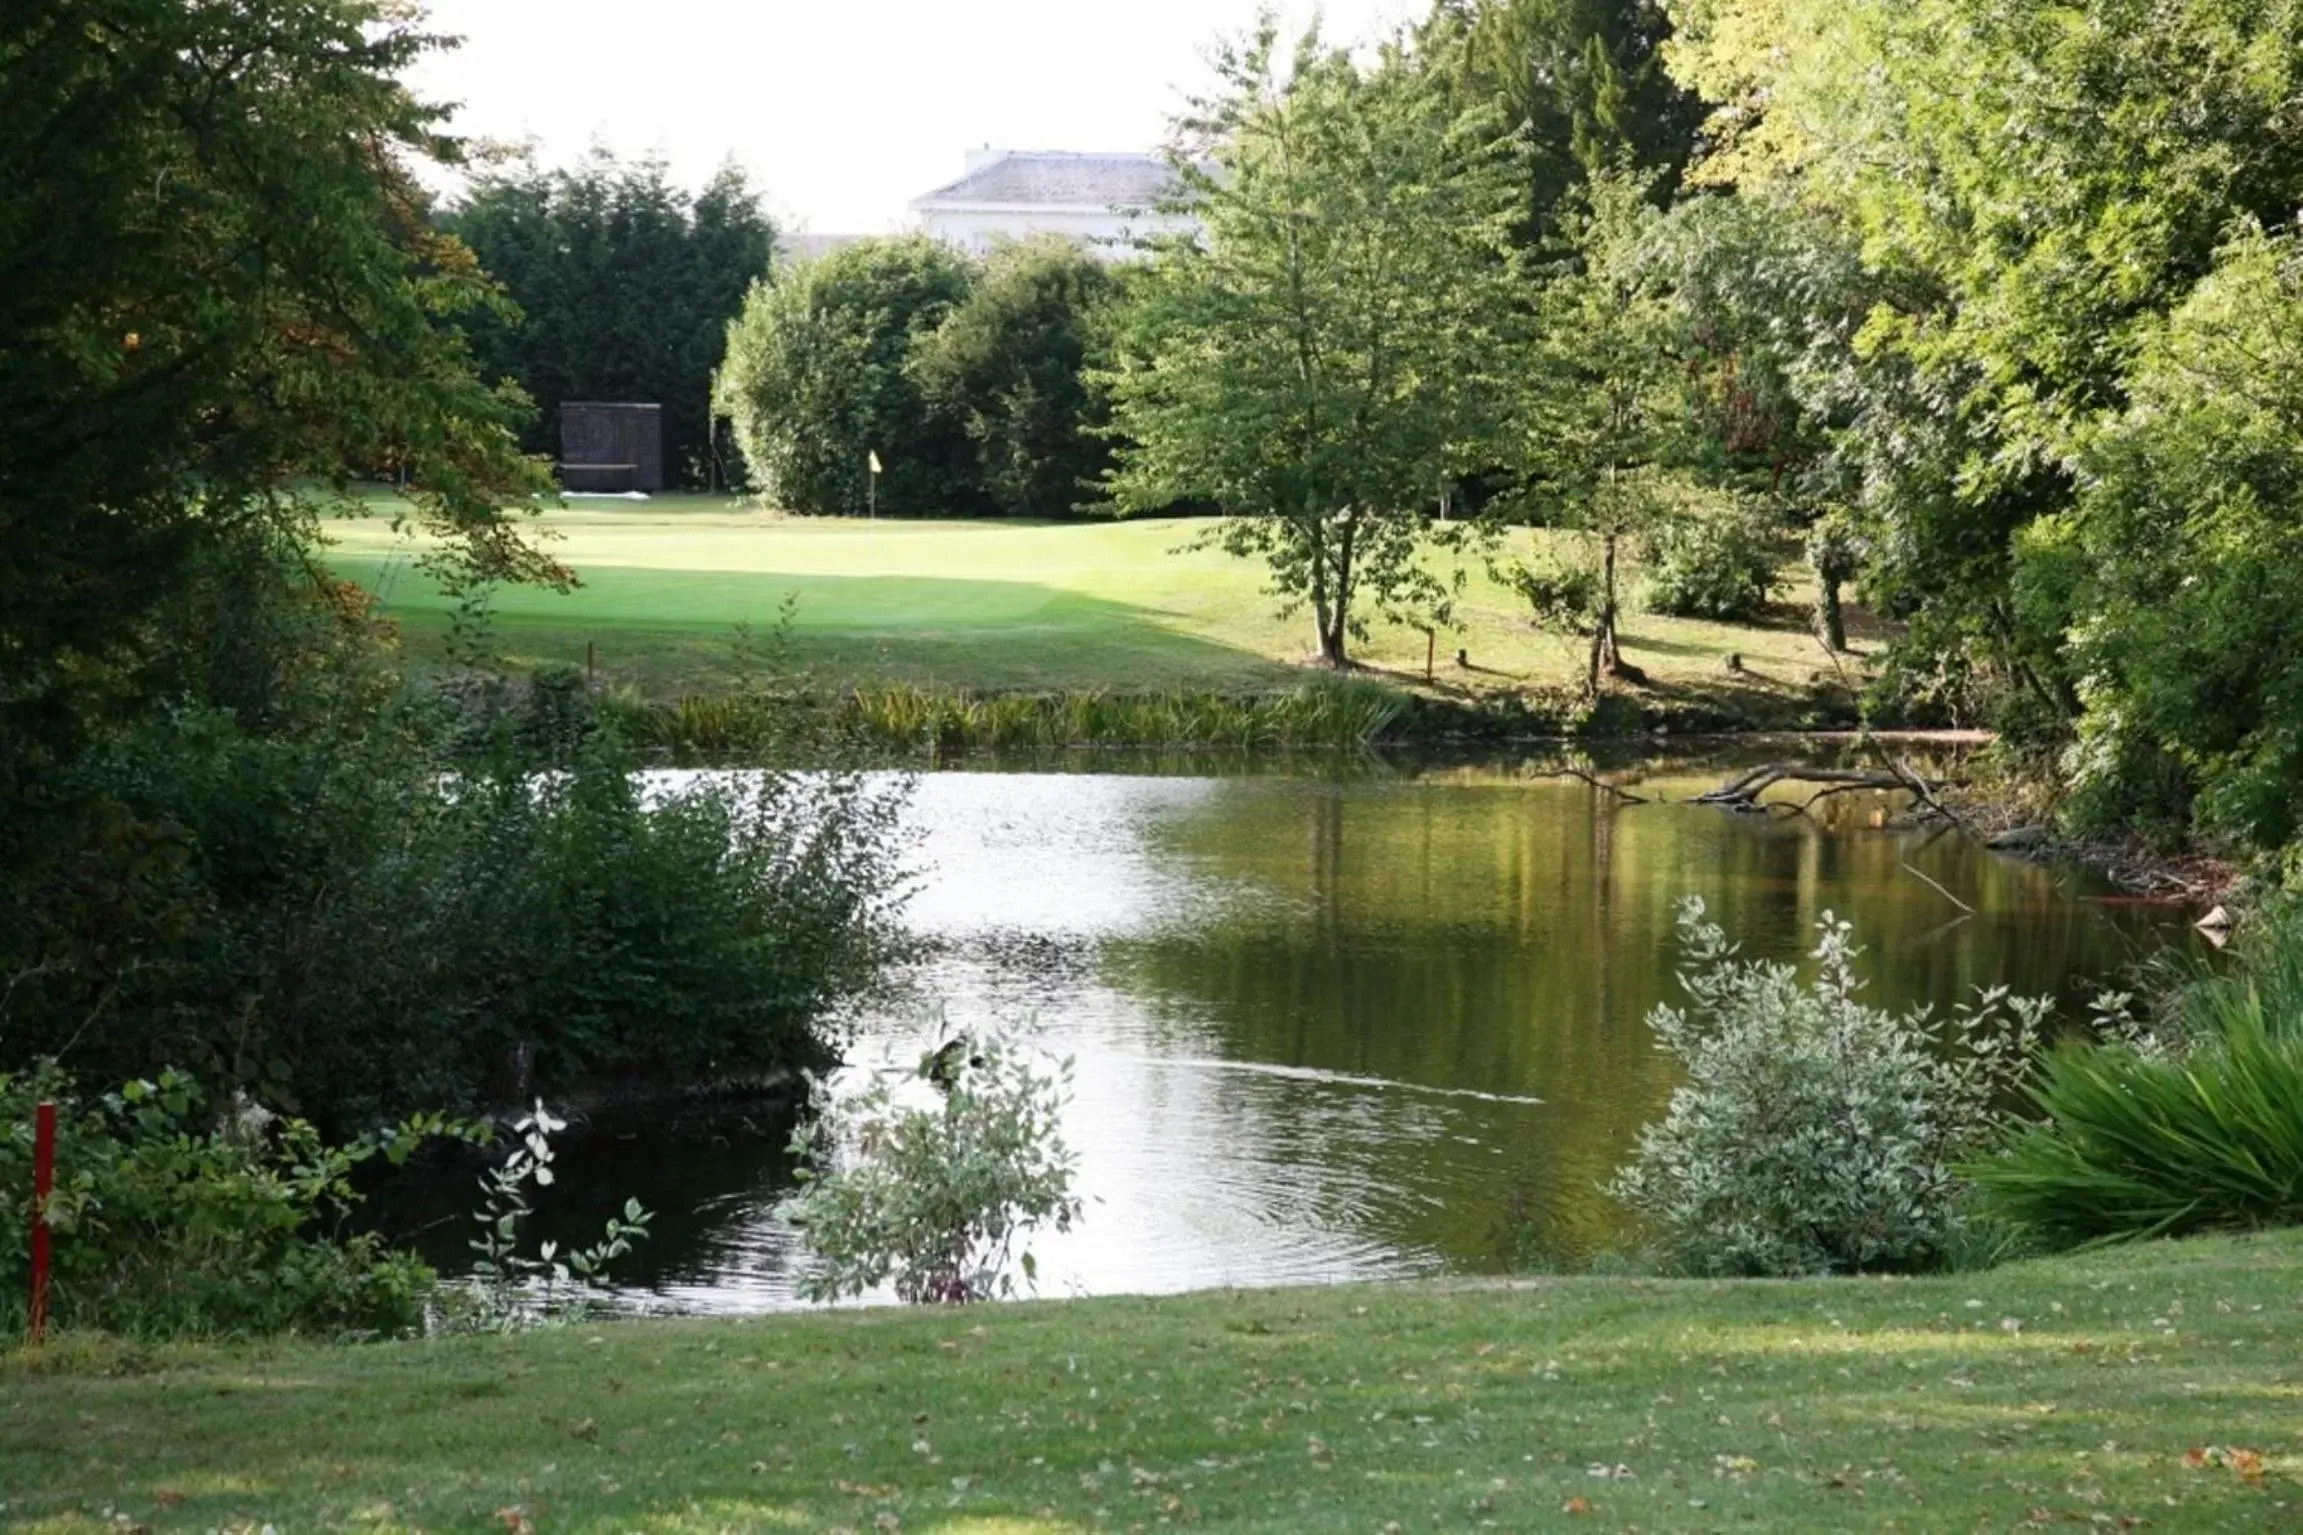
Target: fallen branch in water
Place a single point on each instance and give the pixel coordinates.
(1919, 786)
(1939, 890)
(1743, 794)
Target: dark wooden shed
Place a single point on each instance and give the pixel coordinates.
(607, 446)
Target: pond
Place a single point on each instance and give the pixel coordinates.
(1354, 1023)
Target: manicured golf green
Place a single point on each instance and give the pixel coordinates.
(2158, 1388)
(1119, 606)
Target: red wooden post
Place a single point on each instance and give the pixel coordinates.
(43, 1184)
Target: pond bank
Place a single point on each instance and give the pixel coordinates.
(2149, 1387)
(1352, 711)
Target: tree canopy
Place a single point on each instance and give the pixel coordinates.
(624, 286)
(1011, 365)
(1323, 357)
(181, 357)
(818, 381)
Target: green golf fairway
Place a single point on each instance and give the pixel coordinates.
(1119, 606)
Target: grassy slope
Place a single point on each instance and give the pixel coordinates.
(987, 606)
(2059, 1392)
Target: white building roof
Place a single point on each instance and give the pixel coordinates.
(1050, 179)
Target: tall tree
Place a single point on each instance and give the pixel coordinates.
(625, 286)
(2178, 574)
(1605, 420)
(818, 381)
(1770, 296)
(1010, 365)
(218, 285)
(1324, 354)
(222, 299)
(2033, 186)
(1583, 82)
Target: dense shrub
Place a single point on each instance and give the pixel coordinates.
(2135, 1144)
(2195, 1124)
(1720, 565)
(173, 1221)
(324, 918)
(1814, 1134)
(1560, 596)
(1010, 365)
(931, 1196)
(817, 379)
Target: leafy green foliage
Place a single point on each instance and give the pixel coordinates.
(1601, 415)
(1010, 364)
(1565, 597)
(624, 283)
(313, 916)
(2033, 188)
(2178, 574)
(1323, 357)
(174, 1220)
(2134, 1144)
(931, 1197)
(1583, 84)
(222, 286)
(1815, 1135)
(818, 378)
(1718, 566)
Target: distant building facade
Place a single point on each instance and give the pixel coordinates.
(1103, 201)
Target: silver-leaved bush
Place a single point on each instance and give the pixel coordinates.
(1815, 1134)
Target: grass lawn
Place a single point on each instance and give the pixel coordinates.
(2073, 1392)
(988, 606)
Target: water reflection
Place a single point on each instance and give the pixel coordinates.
(1340, 1027)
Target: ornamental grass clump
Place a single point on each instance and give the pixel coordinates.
(1815, 1134)
(2194, 1125)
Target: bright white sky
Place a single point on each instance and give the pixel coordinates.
(842, 110)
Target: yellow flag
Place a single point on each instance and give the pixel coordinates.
(875, 458)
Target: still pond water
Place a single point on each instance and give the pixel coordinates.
(1348, 1024)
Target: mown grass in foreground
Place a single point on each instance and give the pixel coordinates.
(2066, 1392)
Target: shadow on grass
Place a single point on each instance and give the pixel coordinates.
(673, 630)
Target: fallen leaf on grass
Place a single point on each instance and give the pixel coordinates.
(1576, 1506)
(2245, 1464)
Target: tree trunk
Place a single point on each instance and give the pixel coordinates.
(1335, 629)
(1606, 658)
(1834, 621)
(1323, 625)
